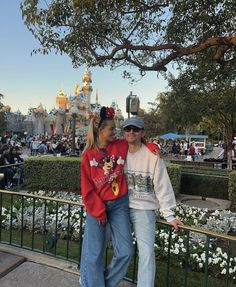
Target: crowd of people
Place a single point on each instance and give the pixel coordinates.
(56, 144)
(181, 148)
(13, 147)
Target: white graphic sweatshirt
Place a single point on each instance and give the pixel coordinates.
(149, 183)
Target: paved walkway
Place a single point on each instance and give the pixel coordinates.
(209, 203)
(30, 274)
(23, 268)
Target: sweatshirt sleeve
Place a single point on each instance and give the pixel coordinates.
(164, 191)
(93, 203)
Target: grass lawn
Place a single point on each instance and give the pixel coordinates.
(24, 239)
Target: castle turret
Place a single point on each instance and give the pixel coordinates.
(62, 100)
(38, 116)
(87, 88)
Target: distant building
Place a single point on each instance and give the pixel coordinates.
(14, 121)
(58, 120)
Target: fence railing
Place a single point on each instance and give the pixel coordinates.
(41, 223)
(210, 241)
(55, 227)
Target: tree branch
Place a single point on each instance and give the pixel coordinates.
(177, 53)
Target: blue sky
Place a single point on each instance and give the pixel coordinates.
(27, 80)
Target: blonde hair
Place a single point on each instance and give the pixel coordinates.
(93, 132)
(92, 135)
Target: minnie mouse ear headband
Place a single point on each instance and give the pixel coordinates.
(105, 113)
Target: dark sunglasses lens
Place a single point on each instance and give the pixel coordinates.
(134, 129)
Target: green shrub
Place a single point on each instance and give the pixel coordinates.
(204, 170)
(63, 174)
(232, 189)
(174, 171)
(53, 173)
(204, 181)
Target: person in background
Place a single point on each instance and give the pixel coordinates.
(105, 196)
(14, 157)
(34, 146)
(43, 149)
(7, 171)
(191, 151)
(150, 189)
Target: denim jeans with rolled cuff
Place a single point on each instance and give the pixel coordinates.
(92, 270)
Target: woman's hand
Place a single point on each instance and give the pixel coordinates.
(103, 222)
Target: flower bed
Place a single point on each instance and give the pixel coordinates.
(45, 218)
(218, 221)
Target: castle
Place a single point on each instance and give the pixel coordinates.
(59, 120)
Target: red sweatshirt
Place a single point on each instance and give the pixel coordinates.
(102, 177)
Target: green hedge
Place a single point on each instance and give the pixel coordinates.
(53, 173)
(174, 172)
(202, 181)
(63, 174)
(203, 185)
(204, 170)
(232, 189)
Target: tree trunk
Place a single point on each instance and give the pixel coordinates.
(229, 152)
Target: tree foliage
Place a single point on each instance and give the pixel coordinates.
(146, 34)
(153, 125)
(182, 107)
(204, 93)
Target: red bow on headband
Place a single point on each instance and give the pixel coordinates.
(110, 112)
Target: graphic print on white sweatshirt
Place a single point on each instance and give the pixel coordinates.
(139, 183)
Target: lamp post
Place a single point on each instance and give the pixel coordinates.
(74, 112)
(132, 104)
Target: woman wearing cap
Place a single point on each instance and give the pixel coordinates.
(104, 193)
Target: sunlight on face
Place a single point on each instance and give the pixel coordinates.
(108, 132)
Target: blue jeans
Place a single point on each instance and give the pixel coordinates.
(144, 225)
(92, 270)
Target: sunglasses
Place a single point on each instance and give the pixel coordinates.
(133, 128)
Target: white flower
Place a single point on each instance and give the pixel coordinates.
(216, 260)
(176, 251)
(223, 263)
(194, 255)
(203, 257)
(225, 255)
(195, 221)
(223, 271)
(231, 270)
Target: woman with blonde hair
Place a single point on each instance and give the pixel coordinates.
(104, 192)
